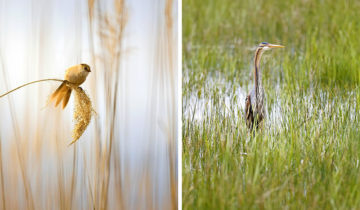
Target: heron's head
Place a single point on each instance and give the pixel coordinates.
(268, 46)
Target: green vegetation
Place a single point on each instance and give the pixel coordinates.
(307, 156)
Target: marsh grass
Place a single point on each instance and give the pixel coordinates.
(163, 96)
(307, 155)
(111, 27)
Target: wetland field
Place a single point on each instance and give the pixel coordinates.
(307, 154)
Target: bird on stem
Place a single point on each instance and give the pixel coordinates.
(254, 102)
(74, 77)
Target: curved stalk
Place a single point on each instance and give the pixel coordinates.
(42, 80)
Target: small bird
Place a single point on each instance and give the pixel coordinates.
(254, 102)
(74, 77)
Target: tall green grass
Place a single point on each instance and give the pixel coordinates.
(325, 31)
(307, 156)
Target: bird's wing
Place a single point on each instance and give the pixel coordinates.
(61, 93)
(54, 95)
(66, 97)
(249, 117)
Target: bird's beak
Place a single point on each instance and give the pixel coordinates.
(275, 46)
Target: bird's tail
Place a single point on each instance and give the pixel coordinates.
(62, 93)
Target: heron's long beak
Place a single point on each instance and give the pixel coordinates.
(275, 46)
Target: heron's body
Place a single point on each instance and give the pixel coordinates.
(254, 108)
(255, 101)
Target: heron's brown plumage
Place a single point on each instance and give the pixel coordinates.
(249, 115)
(255, 101)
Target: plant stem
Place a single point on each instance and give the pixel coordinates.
(42, 80)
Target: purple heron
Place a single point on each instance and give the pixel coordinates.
(254, 103)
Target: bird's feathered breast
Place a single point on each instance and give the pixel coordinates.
(76, 74)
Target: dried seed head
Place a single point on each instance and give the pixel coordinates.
(82, 113)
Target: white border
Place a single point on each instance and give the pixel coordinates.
(179, 104)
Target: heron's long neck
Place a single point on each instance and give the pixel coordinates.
(257, 73)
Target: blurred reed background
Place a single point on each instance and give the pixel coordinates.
(127, 157)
